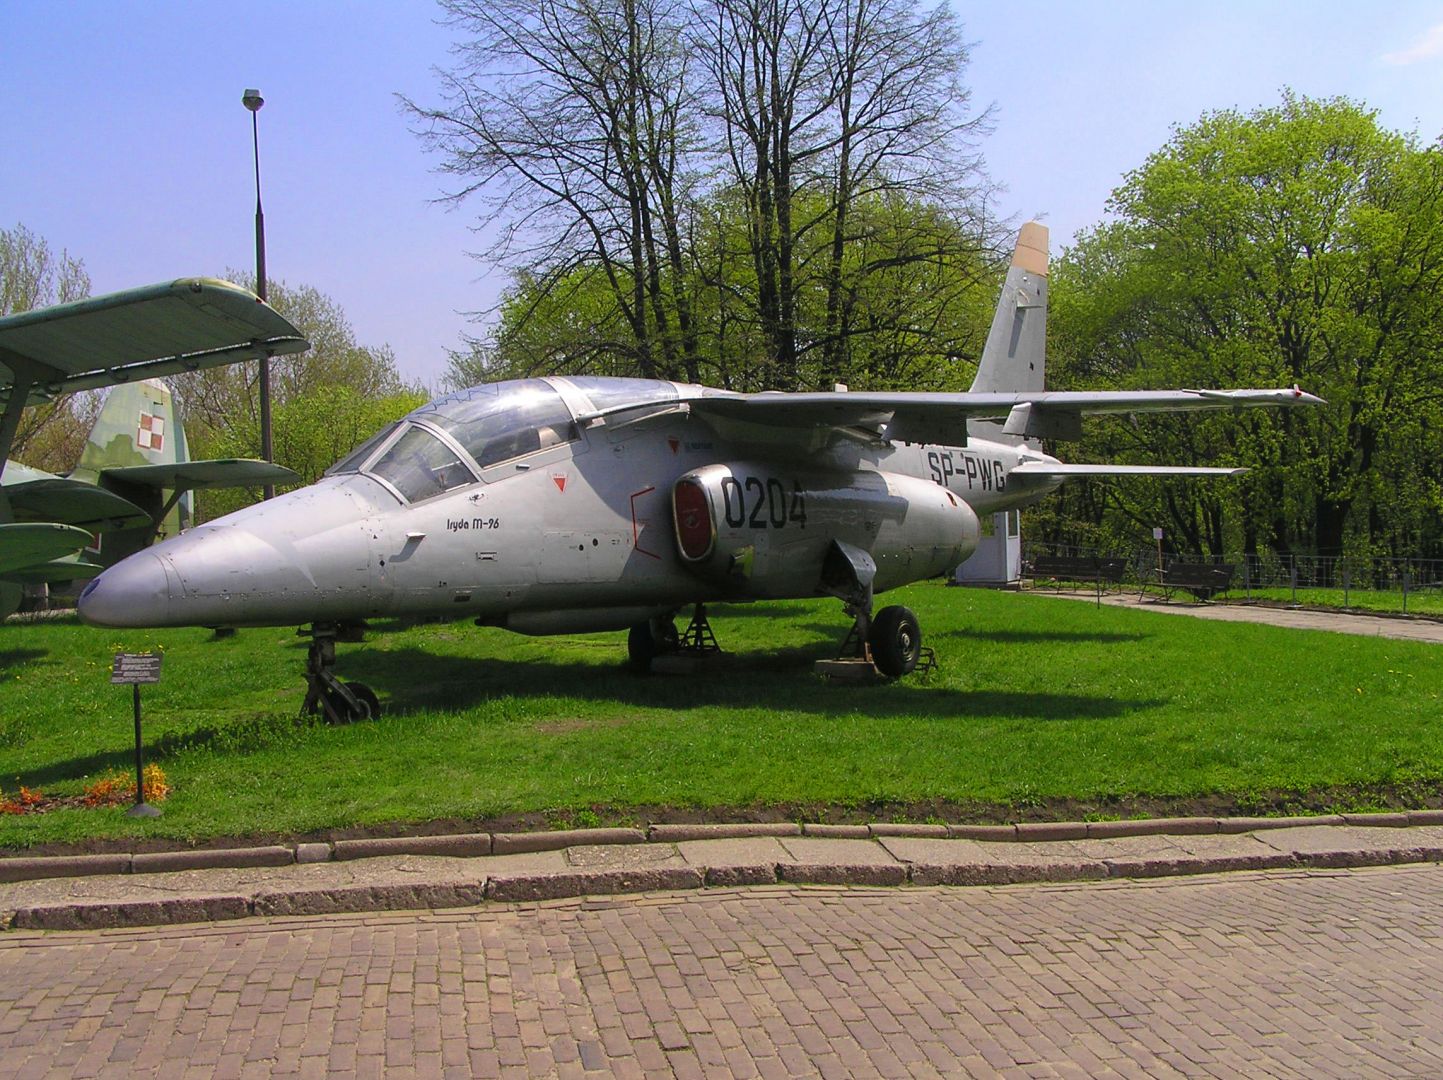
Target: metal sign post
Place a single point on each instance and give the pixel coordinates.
(137, 668)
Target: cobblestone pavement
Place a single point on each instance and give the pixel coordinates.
(1323, 973)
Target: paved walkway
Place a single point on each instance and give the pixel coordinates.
(1341, 622)
(1280, 973)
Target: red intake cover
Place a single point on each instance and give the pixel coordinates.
(694, 532)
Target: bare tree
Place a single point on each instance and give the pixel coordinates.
(818, 104)
(569, 119)
(712, 166)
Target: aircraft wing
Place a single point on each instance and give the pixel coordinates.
(942, 418)
(138, 334)
(71, 502)
(28, 545)
(1042, 468)
(194, 475)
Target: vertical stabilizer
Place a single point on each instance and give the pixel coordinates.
(137, 425)
(1015, 357)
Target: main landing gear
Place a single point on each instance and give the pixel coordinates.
(887, 643)
(340, 702)
(891, 641)
(657, 638)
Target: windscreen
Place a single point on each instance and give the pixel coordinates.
(419, 466)
(353, 461)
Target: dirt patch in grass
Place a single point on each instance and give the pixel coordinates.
(569, 724)
(1264, 804)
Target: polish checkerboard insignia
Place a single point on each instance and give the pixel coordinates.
(150, 435)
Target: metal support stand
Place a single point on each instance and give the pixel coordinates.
(854, 662)
(698, 638)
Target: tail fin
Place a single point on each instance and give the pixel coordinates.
(1015, 356)
(137, 426)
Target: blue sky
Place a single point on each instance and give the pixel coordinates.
(125, 141)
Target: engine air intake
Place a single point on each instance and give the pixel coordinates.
(695, 531)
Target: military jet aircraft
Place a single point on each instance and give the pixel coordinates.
(133, 476)
(563, 505)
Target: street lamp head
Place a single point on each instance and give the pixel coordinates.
(252, 100)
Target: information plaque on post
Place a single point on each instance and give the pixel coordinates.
(137, 668)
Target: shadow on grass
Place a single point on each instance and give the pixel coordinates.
(78, 767)
(415, 680)
(10, 658)
(263, 731)
(1026, 637)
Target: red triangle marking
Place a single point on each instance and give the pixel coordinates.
(673, 442)
(560, 482)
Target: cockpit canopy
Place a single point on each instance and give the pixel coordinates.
(499, 421)
(493, 423)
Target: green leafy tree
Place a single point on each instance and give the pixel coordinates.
(693, 176)
(313, 430)
(217, 399)
(1300, 243)
(33, 275)
(325, 400)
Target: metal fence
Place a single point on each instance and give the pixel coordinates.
(1346, 581)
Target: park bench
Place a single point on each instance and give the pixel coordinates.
(1078, 568)
(1203, 580)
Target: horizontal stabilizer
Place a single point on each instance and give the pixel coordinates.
(22, 546)
(71, 502)
(195, 475)
(70, 568)
(1043, 468)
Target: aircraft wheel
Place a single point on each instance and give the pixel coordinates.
(896, 641)
(367, 697)
(648, 640)
(370, 705)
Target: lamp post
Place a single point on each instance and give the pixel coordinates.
(253, 101)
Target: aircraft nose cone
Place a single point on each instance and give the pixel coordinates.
(134, 592)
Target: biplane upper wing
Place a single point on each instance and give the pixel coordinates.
(138, 333)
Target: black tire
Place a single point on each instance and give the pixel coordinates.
(896, 641)
(648, 640)
(368, 698)
(370, 705)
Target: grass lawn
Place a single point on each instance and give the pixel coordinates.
(1041, 707)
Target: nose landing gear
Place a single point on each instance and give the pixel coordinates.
(339, 702)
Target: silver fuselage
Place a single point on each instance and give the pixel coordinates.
(575, 536)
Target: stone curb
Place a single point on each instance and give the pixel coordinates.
(535, 887)
(163, 862)
(29, 868)
(462, 844)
